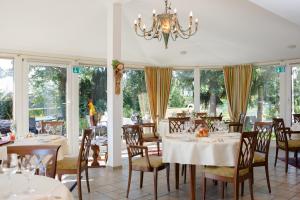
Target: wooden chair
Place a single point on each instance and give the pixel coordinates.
(296, 118)
(78, 164)
(43, 156)
(56, 127)
(139, 160)
(176, 124)
(238, 174)
(261, 154)
(283, 141)
(149, 134)
(237, 126)
(210, 122)
(199, 115)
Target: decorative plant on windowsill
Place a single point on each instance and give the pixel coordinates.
(118, 70)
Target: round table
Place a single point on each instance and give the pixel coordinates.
(39, 140)
(219, 149)
(44, 188)
(163, 128)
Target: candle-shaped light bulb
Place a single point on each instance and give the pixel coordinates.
(139, 16)
(154, 11)
(175, 11)
(196, 20)
(135, 22)
(144, 27)
(191, 14)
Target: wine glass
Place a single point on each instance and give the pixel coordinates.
(47, 128)
(13, 127)
(28, 170)
(38, 127)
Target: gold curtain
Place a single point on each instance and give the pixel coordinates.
(151, 84)
(237, 81)
(164, 80)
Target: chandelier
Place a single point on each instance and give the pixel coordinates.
(165, 25)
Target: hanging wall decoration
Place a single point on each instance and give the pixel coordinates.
(118, 71)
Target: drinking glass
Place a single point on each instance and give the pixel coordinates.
(13, 127)
(28, 170)
(38, 127)
(47, 128)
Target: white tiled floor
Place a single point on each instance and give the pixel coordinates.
(108, 184)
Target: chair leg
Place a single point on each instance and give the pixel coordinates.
(168, 177)
(251, 187)
(182, 170)
(141, 179)
(286, 160)
(155, 183)
(236, 190)
(87, 178)
(223, 185)
(242, 188)
(79, 186)
(184, 180)
(59, 177)
(129, 181)
(267, 176)
(158, 149)
(296, 157)
(203, 186)
(276, 156)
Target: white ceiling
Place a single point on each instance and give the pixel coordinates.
(230, 32)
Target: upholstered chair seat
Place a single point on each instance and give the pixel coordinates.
(291, 144)
(225, 171)
(155, 162)
(68, 163)
(258, 158)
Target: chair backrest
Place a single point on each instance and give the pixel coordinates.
(56, 126)
(43, 156)
(200, 114)
(264, 130)
(149, 128)
(133, 137)
(84, 150)
(296, 118)
(246, 149)
(278, 123)
(176, 124)
(200, 122)
(183, 114)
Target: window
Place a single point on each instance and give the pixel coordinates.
(135, 99)
(47, 94)
(182, 92)
(93, 85)
(263, 101)
(295, 89)
(213, 98)
(6, 88)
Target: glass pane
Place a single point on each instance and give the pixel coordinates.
(213, 98)
(182, 92)
(6, 93)
(93, 86)
(263, 102)
(135, 99)
(47, 94)
(296, 89)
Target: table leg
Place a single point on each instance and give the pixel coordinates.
(177, 176)
(192, 182)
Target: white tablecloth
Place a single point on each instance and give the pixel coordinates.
(163, 128)
(295, 127)
(217, 149)
(44, 187)
(40, 140)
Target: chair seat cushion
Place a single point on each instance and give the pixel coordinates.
(68, 163)
(291, 144)
(155, 161)
(258, 158)
(224, 171)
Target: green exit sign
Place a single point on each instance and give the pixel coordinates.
(76, 70)
(280, 69)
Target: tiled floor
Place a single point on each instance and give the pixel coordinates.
(107, 184)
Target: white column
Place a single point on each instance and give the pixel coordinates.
(285, 95)
(114, 102)
(197, 89)
(21, 114)
(72, 106)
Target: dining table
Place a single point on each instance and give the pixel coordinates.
(41, 139)
(19, 187)
(218, 149)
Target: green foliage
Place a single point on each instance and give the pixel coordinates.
(115, 63)
(133, 85)
(6, 105)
